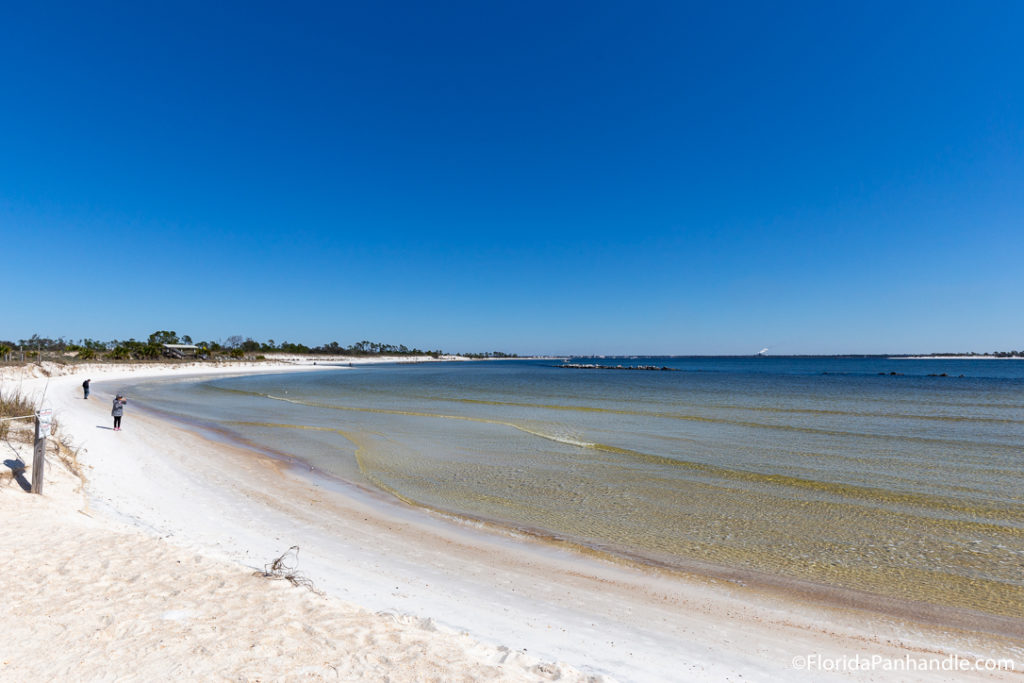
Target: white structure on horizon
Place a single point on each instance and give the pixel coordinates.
(763, 351)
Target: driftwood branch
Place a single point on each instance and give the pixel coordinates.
(285, 568)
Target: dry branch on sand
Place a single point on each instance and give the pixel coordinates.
(285, 567)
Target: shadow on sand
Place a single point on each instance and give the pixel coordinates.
(17, 468)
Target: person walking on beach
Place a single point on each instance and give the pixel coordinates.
(118, 410)
(85, 387)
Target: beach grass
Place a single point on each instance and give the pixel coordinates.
(13, 404)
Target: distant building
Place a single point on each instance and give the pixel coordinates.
(180, 350)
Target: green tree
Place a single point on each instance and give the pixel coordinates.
(163, 337)
(148, 351)
(119, 353)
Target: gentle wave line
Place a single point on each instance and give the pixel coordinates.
(1012, 516)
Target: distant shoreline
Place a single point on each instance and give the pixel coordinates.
(977, 357)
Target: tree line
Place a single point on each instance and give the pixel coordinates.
(234, 346)
(997, 354)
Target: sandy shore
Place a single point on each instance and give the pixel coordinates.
(148, 573)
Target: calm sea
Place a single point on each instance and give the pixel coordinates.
(900, 478)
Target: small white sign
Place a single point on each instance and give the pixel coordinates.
(45, 421)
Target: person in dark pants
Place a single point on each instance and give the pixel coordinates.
(85, 387)
(118, 410)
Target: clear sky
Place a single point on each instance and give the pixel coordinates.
(536, 177)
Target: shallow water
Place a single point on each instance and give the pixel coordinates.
(908, 486)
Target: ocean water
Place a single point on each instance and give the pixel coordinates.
(880, 476)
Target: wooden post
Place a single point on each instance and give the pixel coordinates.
(38, 460)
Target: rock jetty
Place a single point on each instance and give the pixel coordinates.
(592, 366)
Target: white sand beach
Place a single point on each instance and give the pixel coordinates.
(148, 572)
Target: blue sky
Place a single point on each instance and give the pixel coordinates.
(527, 176)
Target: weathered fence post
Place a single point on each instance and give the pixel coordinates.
(43, 418)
